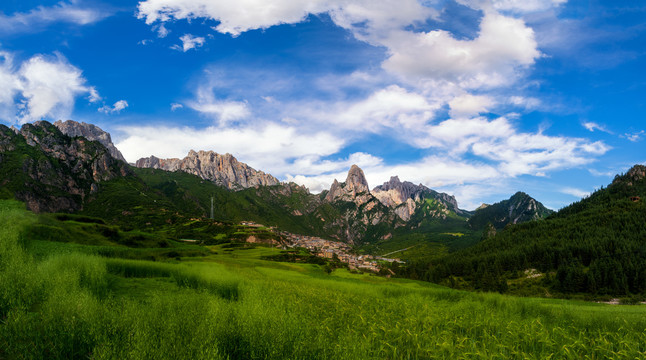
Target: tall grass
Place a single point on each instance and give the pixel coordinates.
(71, 305)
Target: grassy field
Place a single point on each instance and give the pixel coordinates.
(61, 300)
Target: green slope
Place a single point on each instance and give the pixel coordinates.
(595, 246)
(63, 302)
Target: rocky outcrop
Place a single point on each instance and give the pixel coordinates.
(355, 188)
(635, 174)
(518, 209)
(224, 170)
(360, 210)
(91, 132)
(406, 198)
(52, 172)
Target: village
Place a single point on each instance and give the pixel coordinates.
(328, 249)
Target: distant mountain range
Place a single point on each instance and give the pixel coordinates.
(224, 170)
(66, 166)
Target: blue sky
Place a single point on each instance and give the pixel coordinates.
(476, 98)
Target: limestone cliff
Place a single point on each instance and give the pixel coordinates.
(91, 132)
(224, 170)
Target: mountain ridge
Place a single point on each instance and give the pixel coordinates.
(224, 170)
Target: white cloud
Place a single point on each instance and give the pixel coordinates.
(269, 147)
(10, 85)
(161, 30)
(42, 16)
(392, 107)
(504, 46)
(189, 42)
(514, 6)
(470, 105)
(635, 136)
(575, 192)
(223, 110)
(49, 87)
(529, 103)
(591, 126)
(176, 106)
(116, 108)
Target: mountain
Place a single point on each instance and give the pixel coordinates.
(406, 198)
(362, 216)
(91, 132)
(224, 170)
(518, 209)
(594, 246)
(51, 171)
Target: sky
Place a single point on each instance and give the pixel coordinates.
(475, 98)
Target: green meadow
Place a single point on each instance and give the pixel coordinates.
(110, 301)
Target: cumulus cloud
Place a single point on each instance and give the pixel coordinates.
(49, 87)
(189, 42)
(235, 18)
(43, 87)
(392, 107)
(269, 147)
(42, 16)
(116, 108)
(503, 46)
(176, 106)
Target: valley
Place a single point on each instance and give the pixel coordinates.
(103, 259)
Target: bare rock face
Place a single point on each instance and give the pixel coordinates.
(51, 171)
(355, 189)
(91, 132)
(406, 198)
(224, 170)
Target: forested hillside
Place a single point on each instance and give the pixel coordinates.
(597, 246)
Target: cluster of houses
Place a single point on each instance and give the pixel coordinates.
(327, 249)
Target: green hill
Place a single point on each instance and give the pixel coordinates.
(594, 246)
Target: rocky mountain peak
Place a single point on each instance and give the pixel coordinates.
(224, 170)
(355, 189)
(356, 180)
(91, 132)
